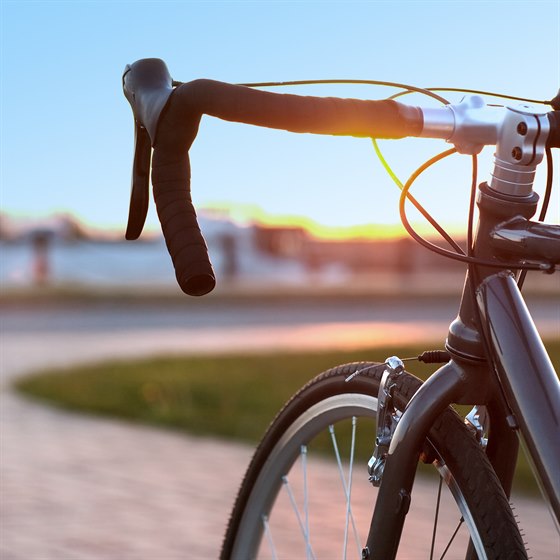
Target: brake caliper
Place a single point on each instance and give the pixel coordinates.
(387, 419)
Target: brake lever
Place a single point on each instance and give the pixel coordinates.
(147, 85)
(140, 190)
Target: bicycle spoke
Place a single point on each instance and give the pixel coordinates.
(436, 519)
(350, 473)
(452, 538)
(308, 549)
(268, 535)
(303, 455)
(344, 486)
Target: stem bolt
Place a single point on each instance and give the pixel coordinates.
(522, 128)
(517, 153)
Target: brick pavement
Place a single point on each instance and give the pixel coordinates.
(81, 488)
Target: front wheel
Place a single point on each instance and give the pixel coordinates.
(307, 495)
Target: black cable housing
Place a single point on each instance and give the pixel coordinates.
(444, 252)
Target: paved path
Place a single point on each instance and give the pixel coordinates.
(81, 488)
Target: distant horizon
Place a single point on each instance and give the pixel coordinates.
(241, 216)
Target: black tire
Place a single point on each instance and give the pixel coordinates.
(475, 492)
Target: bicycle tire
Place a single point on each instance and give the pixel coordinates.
(459, 459)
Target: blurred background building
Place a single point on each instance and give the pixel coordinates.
(60, 252)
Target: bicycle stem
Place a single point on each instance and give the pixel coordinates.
(520, 134)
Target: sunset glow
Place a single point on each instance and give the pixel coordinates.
(250, 214)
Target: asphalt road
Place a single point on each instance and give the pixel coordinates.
(114, 315)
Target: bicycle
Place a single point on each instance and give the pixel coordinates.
(494, 359)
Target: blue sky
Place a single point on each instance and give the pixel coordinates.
(67, 129)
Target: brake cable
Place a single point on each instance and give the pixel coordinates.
(415, 202)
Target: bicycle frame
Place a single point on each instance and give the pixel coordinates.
(522, 390)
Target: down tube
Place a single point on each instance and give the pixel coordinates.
(527, 376)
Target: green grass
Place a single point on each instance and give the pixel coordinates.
(233, 397)
(228, 396)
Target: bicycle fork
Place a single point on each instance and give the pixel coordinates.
(446, 386)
